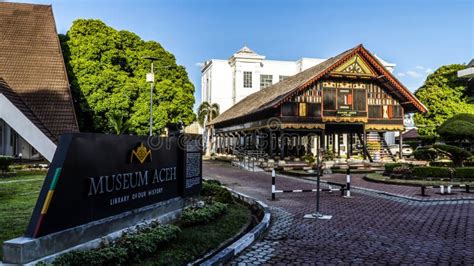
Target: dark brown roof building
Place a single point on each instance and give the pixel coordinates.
(33, 77)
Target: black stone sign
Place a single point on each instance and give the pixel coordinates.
(94, 176)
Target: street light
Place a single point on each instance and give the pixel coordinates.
(150, 78)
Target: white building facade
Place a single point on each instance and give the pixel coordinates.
(226, 82)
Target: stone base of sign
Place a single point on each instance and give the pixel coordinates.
(24, 250)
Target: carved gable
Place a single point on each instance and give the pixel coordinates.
(354, 66)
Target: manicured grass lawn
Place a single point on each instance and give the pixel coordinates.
(193, 242)
(17, 200)
(385, 179)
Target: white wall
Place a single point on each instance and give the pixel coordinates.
(26, 129)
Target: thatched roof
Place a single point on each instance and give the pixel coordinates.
(273, 95)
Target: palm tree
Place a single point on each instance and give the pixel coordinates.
(119, 126)
(206, 113)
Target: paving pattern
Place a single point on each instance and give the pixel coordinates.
(369, 228)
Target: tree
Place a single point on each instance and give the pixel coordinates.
(458, 128)
(118, 124)
(456, 154)
(206, 113)
(444, 95)
(107, 76)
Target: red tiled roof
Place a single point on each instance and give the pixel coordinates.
(32, 65)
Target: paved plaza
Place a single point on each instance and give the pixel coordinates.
(368, 228)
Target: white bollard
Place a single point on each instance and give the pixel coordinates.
(449, 189)
(348, 183)
(441, 189)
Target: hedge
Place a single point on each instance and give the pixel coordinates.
(5, 163)
(425, 154)
(390, 166)
(203, 215)
(130, 248)
(213, 189)
(433, 172)
(465, 173)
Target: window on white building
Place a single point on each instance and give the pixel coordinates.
(265, 81)
(247, 79)
(280, 78)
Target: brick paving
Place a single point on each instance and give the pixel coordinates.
(369, 228)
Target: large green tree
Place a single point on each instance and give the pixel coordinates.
(444, 94)
(107, 72)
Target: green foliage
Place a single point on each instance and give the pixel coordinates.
(412, 143)
(213, 188)
(132, 247)
(456, 154)
(444, 95)
(107, 75)
(118, 125)
(426, 154)
(465, 173)
(403, 171)
(309, 158)
(207, 112)
(5, 163)
(203, 215)
(390, 166)
(104, 256)
(432, 172)
(458, 128)
(328, 155)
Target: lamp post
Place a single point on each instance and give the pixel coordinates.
(150, 78)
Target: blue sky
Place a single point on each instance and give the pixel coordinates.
(417, 35)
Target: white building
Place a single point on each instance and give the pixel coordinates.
(226, 82)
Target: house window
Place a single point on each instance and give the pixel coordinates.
(289, 109)
(265, 81)
(280, 78)
(247, 79)
(302, 109)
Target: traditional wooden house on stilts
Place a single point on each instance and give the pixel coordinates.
(345, 105)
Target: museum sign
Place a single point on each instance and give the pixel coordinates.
(94, 176)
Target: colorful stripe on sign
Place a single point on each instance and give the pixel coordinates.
(49, 196)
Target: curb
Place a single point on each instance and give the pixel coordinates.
(247, 239)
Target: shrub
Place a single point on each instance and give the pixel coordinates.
(390, 166)
(309, 159)
(425, 154)
(465, 173)
(456, 154)
(130, 247)
(213, 189)
(145, 242)
(328, 155)
(432, 172)
(403, 171)
(413, 143)
(5, 163)
(204, 215)
(104, 256)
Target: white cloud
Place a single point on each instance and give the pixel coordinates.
(401, 74)
(413, 74)
(419, 67)
(428, 70)
(199, 64)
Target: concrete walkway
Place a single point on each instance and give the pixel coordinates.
(368, 228)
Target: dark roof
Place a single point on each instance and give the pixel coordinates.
(274, 95)
(32, 65)
(410, 134)
(16, 100)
